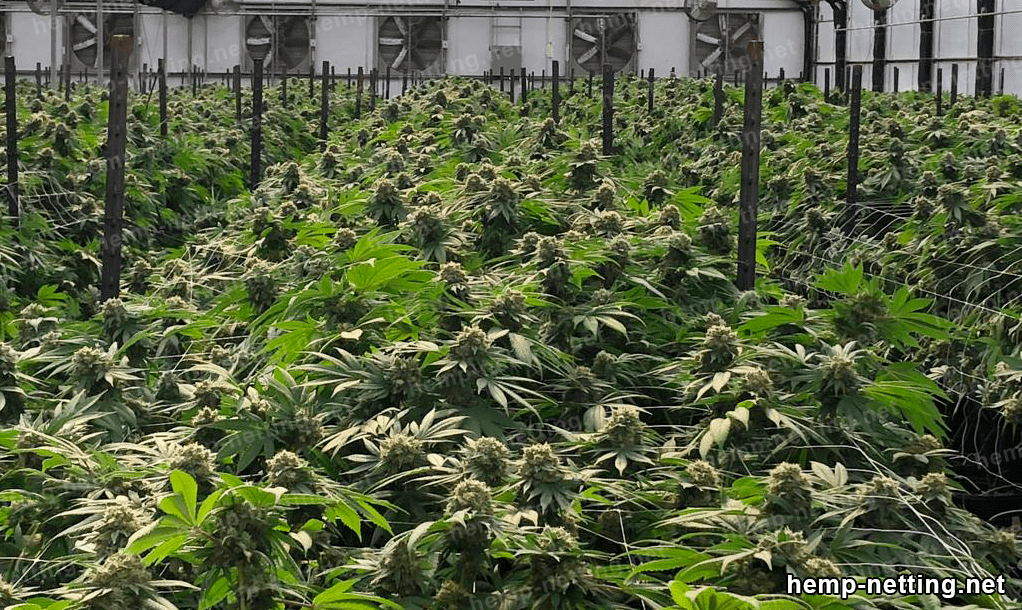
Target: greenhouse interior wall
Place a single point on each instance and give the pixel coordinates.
(955, 42)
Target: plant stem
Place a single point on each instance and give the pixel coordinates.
(242, 605)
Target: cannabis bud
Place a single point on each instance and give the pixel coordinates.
(195, 460)
(487, 459)
(400, 451)
(288, 470)
(540, 464)
(624, 427)
(471, 495)
(703, 474)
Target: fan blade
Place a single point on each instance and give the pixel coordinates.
(85, 44)
(741, 31)
(708, 39)
(401, 26)
(586, 37)
(256, 42)
(400, 58)
(622, 54)
(722, 23)
(588, 55)
(619, 33)
(711, 58)
(393, 42)
(88, 25)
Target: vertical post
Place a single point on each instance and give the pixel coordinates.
(237, 93)
(780, 75)
(283, 87)
(848, 82)
(897, 80)
(502, 79)
(142, 77)
(257, 125)
(525, 86)
(954, 85)
(718, 95)
(926, 13)
(39, 80)
(826, 85)
(652, 80)
(879, 49)
(985, 47)
(11, 111)
(53, 43)
(333, 78)
(557, 91)
(324, 107)
(358, 93)
(312, 79)
(590, 85)
(386, 86)
(67, 82)
(373, 84)
(749, 196)
(940, 91)
(840, 46)
(404, 82)
(348, 84)
(195, 80)
(852, 189)
(117, 136)
(608, 110)
(163, 98)
(1000, 86)
(511, 86)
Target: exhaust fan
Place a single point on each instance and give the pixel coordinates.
(410, 44)
(604, 41)
(283, 41)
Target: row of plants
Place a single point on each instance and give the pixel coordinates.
(461, 359)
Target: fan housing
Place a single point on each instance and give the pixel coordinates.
(610, 40)
(410, 44)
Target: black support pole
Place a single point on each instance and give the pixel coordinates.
(557, 91)
(358, 92)
(652, 81)
(324, 107)
(985, 48)
(954, 86)
(117, 137)
(749, 196)
(852, 188)
(879, 49)
(255, 169)
(840, 44)
(718, 95)
(826, 85)
(940, 91)
(926, 45)
(237, 93)
(608, 110)
(162, 67)
(11, 110)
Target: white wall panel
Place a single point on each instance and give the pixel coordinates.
(468, 47)
(346, 42)
(782, 43)
(31, 42)
(664, 38)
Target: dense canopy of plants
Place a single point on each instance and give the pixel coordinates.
(460, 359)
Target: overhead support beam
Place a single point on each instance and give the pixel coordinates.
(926, 45)
(985, 48)
(879, 49)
